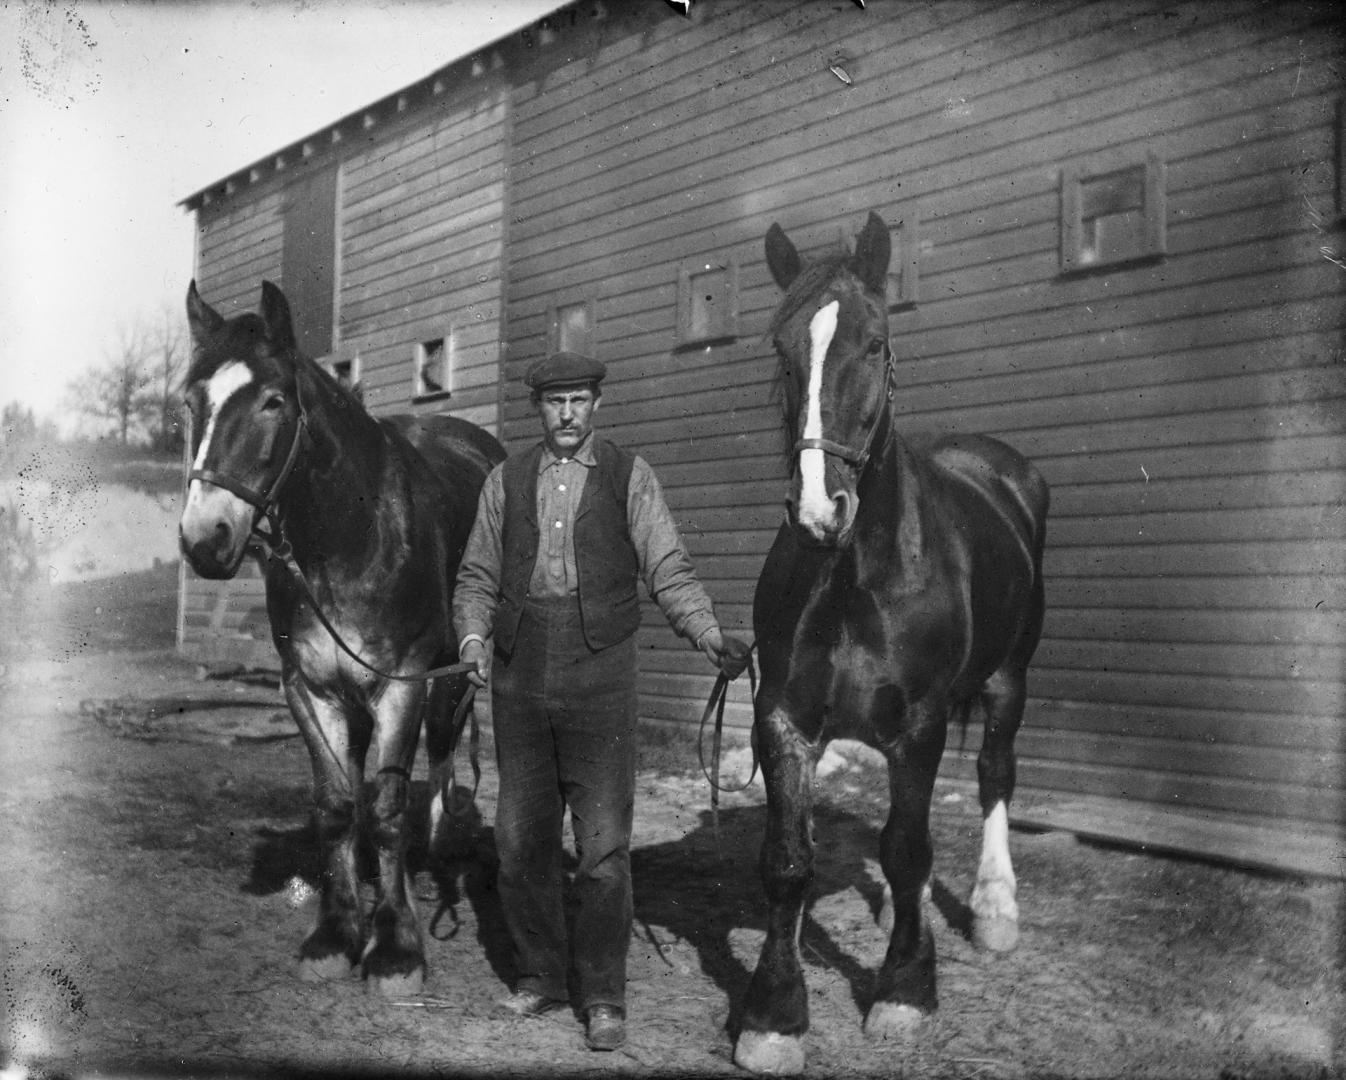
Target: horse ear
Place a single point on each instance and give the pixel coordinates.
(781, 257)
(202, 319)
(276, 315)
(873, 249)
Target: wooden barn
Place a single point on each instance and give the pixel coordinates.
(1118, 245)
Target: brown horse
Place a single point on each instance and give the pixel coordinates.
(905, 588)
(366, 521)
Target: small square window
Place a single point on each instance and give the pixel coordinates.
(570, 327)
(433, 368)
(1112, 218)
(707, 303)
(347, 372)
(903, 267)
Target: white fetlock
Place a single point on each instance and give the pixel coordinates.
(995, 934)
(770, 1053)
(399, 986)
(995, 916)
(889, 1021)
(326, 969)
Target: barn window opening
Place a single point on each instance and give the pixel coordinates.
(433, 368)
(1112, 218)
(571, 327)
(347, 372)
(707, 303)
(904, 267)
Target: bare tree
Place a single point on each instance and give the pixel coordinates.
(134, 393)
(167, 365)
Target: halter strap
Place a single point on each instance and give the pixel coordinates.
(858, 458)
(262, 501)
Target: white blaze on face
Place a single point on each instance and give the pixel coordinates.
(814, 505)
(224, 384)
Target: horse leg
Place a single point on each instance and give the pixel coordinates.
(905, 987)
(394, 958)
(775, 1014)
(995, 914)
(333, 947)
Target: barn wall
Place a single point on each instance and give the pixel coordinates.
(1186, 410)
(421, 251)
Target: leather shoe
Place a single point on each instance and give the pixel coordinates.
(529, 1003)
(607, 1028)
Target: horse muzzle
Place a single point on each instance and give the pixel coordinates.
(823, 512)
(214, 532)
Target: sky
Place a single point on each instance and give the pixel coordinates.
(111, 113)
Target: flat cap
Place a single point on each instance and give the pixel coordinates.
(563, 369)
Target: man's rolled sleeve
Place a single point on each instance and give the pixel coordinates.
(665, 565)
(477, 589)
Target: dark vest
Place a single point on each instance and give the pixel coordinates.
(604, 554)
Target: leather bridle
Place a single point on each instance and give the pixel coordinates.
(857, 458)
(266, 501)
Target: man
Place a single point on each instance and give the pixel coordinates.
(563, 530)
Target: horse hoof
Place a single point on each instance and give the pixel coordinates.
(888, 1021)
(399, 986)
(995, 934)
(770, 1053)
(324, 968)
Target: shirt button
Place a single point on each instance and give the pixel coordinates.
(560, 487)
(559, 525)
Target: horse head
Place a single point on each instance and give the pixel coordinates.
(831, 335)
(247, 427)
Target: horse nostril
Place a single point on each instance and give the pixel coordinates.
(224, 536)
(841, 502)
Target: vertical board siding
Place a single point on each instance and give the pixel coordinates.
(1188, 412)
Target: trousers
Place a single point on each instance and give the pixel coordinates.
(564, 719)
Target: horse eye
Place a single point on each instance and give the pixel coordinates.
(876, 347)
(274, 403)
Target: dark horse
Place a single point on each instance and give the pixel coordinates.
(366, 523)
(905, 588)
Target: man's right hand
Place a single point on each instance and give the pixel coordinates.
(474, 652)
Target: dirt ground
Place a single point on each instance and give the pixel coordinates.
(158, 871)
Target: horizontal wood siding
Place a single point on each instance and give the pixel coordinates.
(421, 230)
(1187, 412)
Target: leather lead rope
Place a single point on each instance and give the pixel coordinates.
(282, 553)
(715, 705)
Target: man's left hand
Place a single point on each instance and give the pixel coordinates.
(726, 652)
